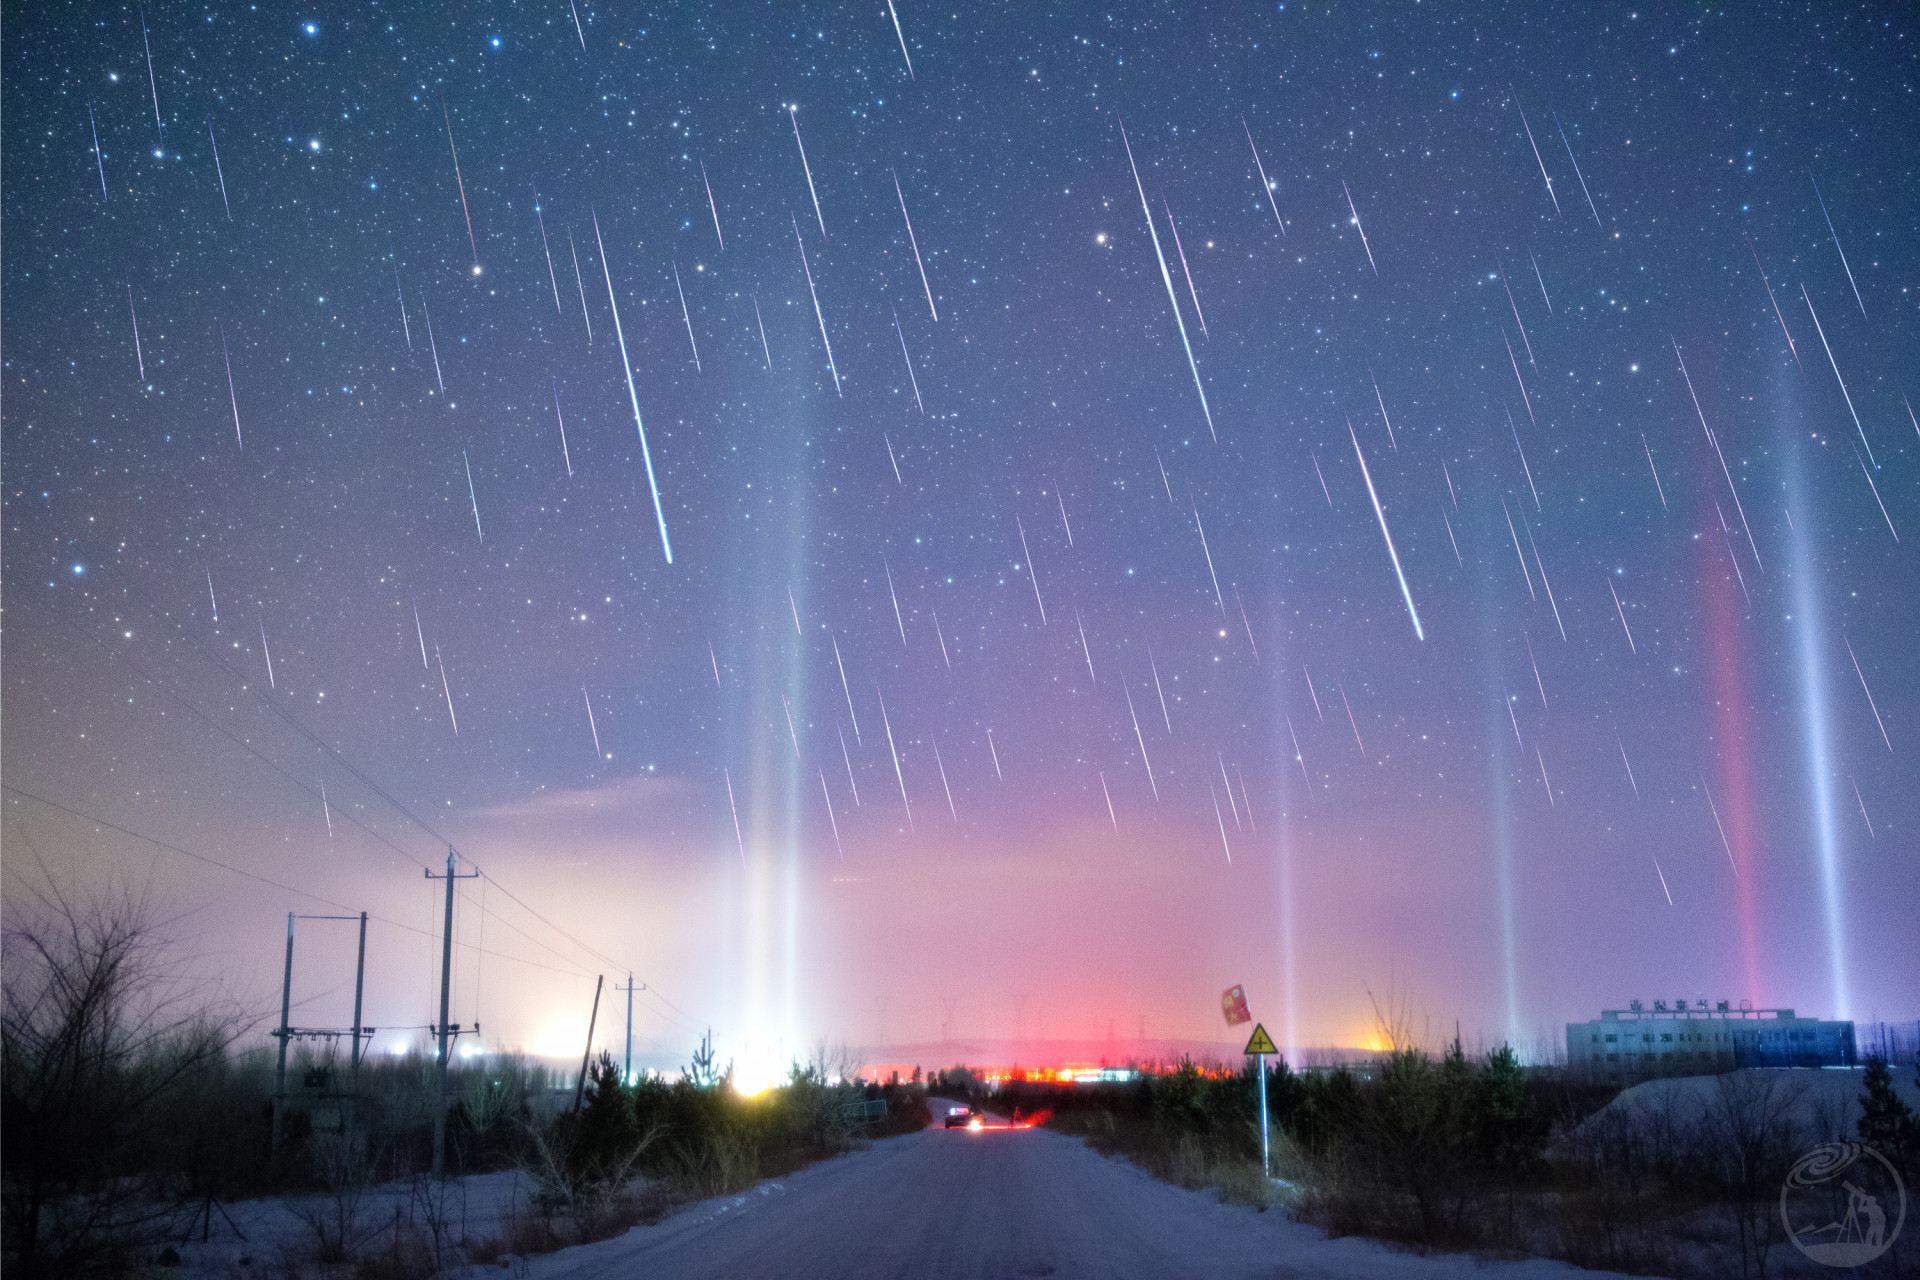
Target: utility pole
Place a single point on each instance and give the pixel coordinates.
(581, 1087)
(446, 993)
(280, 1070)
(359, 989)
(630, 988)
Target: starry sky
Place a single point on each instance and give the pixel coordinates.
(1514, 607)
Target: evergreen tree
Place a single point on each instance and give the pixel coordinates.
(1886, 1123)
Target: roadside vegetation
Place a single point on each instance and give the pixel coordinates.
(1485, 1155)
(133, 1119)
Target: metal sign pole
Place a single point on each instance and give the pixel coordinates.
(1260, 1083)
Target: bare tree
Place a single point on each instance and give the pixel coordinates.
(97, 1032)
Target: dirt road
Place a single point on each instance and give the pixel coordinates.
(1002, 1203)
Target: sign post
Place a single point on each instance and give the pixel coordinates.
(1259, 1045)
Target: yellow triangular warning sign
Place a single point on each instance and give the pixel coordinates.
(1261, 1042)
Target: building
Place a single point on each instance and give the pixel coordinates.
(1622, 1046)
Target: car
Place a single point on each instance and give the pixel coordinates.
(959, 1117)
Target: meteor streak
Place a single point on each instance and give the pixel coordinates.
(446, 689)
(1524, 397)
(1715, 811)
(943, 777)
(137, 354)
(1227, 782)
(817, 315)
(1405, 592)
(431, 344)
(1313, 693)
(474, 498)
(1350, 720)
(1816, 195)
(1362, 230)
(1715, 442)
(1518, 323)
(1657, 486)
(941, 637)
(1216, 817)
(1508, 699)
(401, 294)
(98, 160)
(737, 837)
(626, 367)
(1863, 688)
(591, 726)
(899, 777)
(573, 9)
(1663, 881)
(1209, 554)
(1155, 667)
(996, 757)
(1141, 739)
(1382, 401)
(1322, 477)
(1623, 760)
(1542, 279)
(1085, 651)
(1524, 571)
(1032, 575)
(844, 688)
(1537, 160)
(896, 600)
(547, 249)
(581, 283)
(1623, 616)
(915, 243)
(901, 38)
(417, 631)
(716, 665)
(1168, 484)
(1246, 801)
(764, 348)
(1265, 185)
(211, 599)
(268, 654)
(793, 114)
(1061, 499)
(1541, 566)
(1876, 494)
(218, 172)
(1547, 782)
(1458, 558)
(465, 212)
(154, 84)
(1576, 170)
(844, 755)
(826, 795)
(1859, 799)
(909, 359)
(1166, 278)
(327, 809)
(1449, 478)
(715, 210)
(1300, 759)
(1523, 456)
(686, 317)
(790, 733)
(1837, 378)
(1111, 815)
(888, 440)
(1775, 301)
(232, 397)
(1243, 622)
(563, 427)
(796, 612)
(1191, 291)
(1542, 685)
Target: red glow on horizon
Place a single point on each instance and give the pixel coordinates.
(1726, 676)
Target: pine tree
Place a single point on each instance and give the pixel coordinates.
(1886, 1123)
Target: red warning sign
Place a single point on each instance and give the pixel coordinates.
(1233, 1003)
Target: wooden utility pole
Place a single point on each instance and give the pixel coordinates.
(285, 1034)
(446, 994)
(580, 1087)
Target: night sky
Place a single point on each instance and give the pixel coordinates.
(1639, 723)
